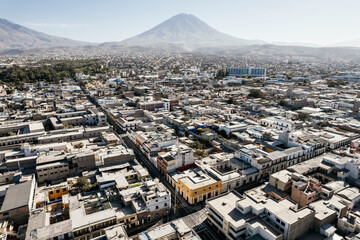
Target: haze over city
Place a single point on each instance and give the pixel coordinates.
(321, 22)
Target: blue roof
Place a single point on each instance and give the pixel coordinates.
(245, 150)
(143, 236)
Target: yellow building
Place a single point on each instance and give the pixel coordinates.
(56, 192)
(129, 220)
(48, 196)
(196, 186)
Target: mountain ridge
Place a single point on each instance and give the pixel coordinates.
(15, 36)
(187, 30)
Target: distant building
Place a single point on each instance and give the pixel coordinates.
(253, 72)
(348, 78)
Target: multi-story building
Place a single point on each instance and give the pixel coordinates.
(18, 202)
(155, 105)
(305, 192)
(51, 171)
(247, 71)
(128, 124)
(195, 185)
(150, 200)
(178, 156)
(257, 216)
(152, 142)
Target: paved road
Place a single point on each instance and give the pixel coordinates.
(182, 207)
(194, 214)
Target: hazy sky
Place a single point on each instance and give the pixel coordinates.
(314, 21)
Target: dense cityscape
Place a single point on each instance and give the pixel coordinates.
(179, 133)
(178, 146)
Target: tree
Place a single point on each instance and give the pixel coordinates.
(82, 184)
(323, 124)
(185, 119)
(200, 153)
(79, 145)
(304, 116)
(337, 83)
(255, 93)
(261, 115)
(231, 100)
(196, 145)
(267, 135)
(221, 74)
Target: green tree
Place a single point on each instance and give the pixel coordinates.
(220, 74)
(255, 93)
(185, 119)
(304, 116)
(196, 145)
(323, 124)
(261, 115)
(79, 145)
(336, 84)
(200, 153)
(82, 184)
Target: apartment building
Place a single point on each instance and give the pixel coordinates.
(246, 71)
(194, 185)
(127, 124)
(178, 156)
(254, 216)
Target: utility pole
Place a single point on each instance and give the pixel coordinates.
(175, 200)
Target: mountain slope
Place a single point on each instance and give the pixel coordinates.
(269, 50)
(188, 31)
(350, 43)
(16, 36)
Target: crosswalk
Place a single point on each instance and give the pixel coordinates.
(196, 221)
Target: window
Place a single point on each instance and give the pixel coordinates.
(165, 204)
(57, 191)
(64, 189)
(51, 192)
(157, 207)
